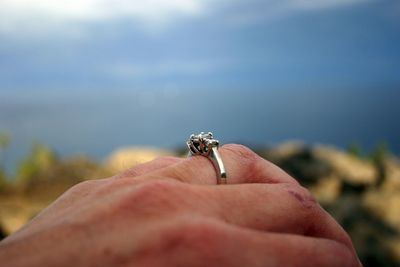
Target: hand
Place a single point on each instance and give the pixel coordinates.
(170, 212)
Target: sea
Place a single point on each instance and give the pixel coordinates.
(96, 122)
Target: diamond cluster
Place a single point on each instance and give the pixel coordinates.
(202, 144)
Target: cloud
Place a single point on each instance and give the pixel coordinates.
(322, 4)
(19, 17)
(166, 68)
(254, 11)
(90, 10)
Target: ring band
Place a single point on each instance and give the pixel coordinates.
(204, 144)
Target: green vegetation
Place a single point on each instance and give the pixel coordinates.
(42, 167)
(378, 157)
(355, 150)
(37, 166)
(4, 140)
(3, 180)
(4, 143)
(380, 153)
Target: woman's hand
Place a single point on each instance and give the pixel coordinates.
(170, 212)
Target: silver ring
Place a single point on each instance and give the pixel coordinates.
(204, 144)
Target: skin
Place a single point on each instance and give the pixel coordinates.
(170, 212)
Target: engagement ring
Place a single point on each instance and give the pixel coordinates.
(205, 145)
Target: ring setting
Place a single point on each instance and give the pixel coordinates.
(205, 145)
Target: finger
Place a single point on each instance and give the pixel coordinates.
(148, 167)
(283, 208)
(241, 163)
(280, 208)
(215, 243)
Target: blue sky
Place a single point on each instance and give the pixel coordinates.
(273, 44)
(91, 76)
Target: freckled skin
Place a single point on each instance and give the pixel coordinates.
(170, 212)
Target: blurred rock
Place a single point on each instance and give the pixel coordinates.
(348, 167)
(385, 205)
(384, 201)
(299, 161)
(327, 189)
(392, 175)
(394, 248)
(284, 150)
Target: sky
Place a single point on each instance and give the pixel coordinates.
(91, 76)
(66, 44)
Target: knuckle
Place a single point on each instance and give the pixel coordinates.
(181, 172)
(154, 188)
(252, 165)
(307, 211)
(152, 196)
(200, 231)
(202, 236)
(143, 168)
(182, 239)
(302, 196)
(242, 151)
(112, 185)
(128, 173)
(168, 159)
(82, 189)
(83, 186)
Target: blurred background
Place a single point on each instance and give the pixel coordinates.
(88, 88)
